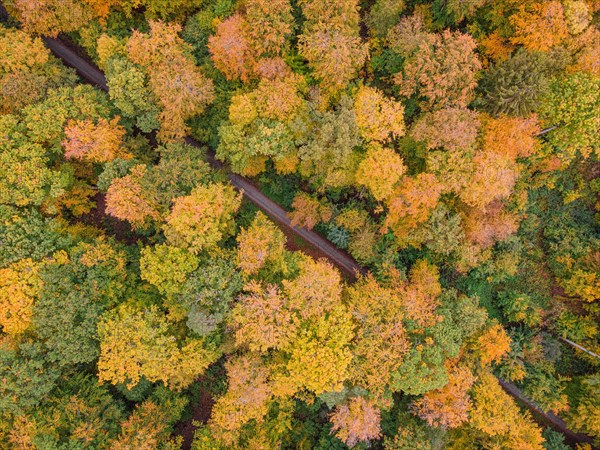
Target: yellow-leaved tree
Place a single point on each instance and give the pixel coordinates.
(379, 171)
(262, 243)
(19, 286)
(497, 415)
(136, 343)
(378, 118)
(199, 221)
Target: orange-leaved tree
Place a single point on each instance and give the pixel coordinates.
(513, 137)
(356, 421)
(127, 200)
(443, 69)
(449, 406)
(308, 211)
(539, 26)
(497, 415)
(183, 91)
(231, 50)
(412, 203)
(94, 142)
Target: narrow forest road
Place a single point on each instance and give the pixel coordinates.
(339, 258)
(553, 420)
(323, 247)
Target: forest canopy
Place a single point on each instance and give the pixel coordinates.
(448, 150)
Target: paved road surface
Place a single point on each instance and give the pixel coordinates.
(342, 260)
(552, 419)
(339, 258)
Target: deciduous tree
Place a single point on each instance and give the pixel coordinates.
(494, 178)
(539, 26)
(328, 156)
(262, 319)
(492, 344)
(334, 56)
(101, 142)
(200, 220)
(379, 171)
(27, 70)
(511, 137)
(246, 398)
(231, 50)
(331, 42)
(26, 178)
(577, 15)
(126, 199)
(262, 243)
(308, 211)
(412, 203)
(181, 88)
(319, 355)
(573, 104)
(496, 414)
(20, 285)
(77, 288)
(486, 227)
(356, 421)
(420, 296)
(449, 406)
(166, 267)
(50, 17)
(315, 290)
(443, 69)
(381, 341)
(454, 129)
(129, 89)
(138, 343)
(28, 375)
(150, 425)
(383, 15)
(407, 35)
(378, 118)
(269, 26)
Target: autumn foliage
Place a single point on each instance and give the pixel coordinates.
(357, 421)
(443, 69)
(94, 142)
(447, 150)
(379, 171)
(539, 26)
(203, 218)
(412, 203)
(183, 91)
(378, 118)
(449, 406)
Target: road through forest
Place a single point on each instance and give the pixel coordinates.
(340, 259)
(322, 246)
